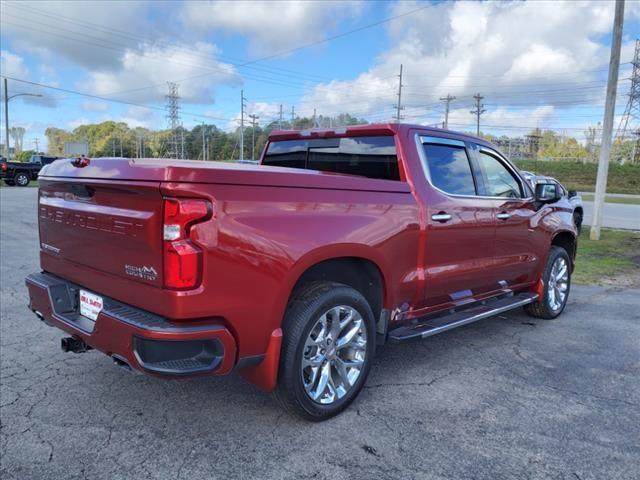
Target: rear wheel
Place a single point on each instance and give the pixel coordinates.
(22, 179)
(11, 183)
(329, 344)
(557, 283)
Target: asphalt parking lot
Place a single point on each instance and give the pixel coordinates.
(508, 397)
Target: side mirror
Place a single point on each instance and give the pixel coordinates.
(547, 192)
(572, 193)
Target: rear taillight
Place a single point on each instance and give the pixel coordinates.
(182, 258)
(4, 167)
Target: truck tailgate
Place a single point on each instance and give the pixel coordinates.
(113, 226)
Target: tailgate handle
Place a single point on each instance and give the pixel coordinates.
(82, 191)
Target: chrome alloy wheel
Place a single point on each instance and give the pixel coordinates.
(334, 354)
(558, 284)
(22, 179)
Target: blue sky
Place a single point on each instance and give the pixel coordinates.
(536, 63)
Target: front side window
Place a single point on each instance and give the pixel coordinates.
(449, 169)
(499, 181)
(373, 157)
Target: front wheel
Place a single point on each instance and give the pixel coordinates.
(557, 283)
(22, 179)
(328, 347)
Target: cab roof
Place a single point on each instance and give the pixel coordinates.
(373, 129)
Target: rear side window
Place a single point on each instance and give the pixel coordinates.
(373, 157)
(449, 169)
(289, 153)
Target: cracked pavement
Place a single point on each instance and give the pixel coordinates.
(507, 397)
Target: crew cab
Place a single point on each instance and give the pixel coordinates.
(294, 271)
(21, 173)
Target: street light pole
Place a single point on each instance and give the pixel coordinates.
(6, 112)
(6, 120)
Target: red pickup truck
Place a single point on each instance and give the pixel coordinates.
(294, 270)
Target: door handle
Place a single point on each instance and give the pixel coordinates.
(441, 217)
(503, 216)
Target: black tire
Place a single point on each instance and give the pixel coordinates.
(543, 308)
(305, 308)
(577, 221)
(10, 183)
(22, 179)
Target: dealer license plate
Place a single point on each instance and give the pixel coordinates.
(90, 304)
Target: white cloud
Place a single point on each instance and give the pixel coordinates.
(461, 118)
(13, 65)
(77, 122)
(142, 73)
(89, 34)
(272, 26)
(91, 106)
(522, 56)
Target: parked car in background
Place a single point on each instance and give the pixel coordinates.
(21, 173)
(293, 271)
(571, 195)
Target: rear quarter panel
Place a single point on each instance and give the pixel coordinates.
(261, 239)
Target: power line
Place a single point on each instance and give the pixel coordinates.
(125, 48)
(107, 99)
(93, 27)
(340, 35)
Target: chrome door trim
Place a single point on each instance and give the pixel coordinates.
(457, 143)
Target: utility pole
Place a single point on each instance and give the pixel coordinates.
(399, 106)
(204, 142)
(315, 124)
(293, 117)
(280, 121)
(254, 119)
(447, 100)
(6, 120)
(242, 105)
(37, 142)
(181, 142)
(478, 111)
(609, 110)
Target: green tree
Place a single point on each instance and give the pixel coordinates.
(24, 156)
